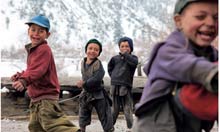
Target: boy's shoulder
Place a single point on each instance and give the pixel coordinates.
(133, 55)
(116, 56)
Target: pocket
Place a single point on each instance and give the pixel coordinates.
(50, 109)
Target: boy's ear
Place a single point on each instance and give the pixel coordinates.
(177, 20)
(48, 34)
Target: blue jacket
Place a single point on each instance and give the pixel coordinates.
(175, 61)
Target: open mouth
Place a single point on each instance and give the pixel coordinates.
(207, 35)
(35, 39)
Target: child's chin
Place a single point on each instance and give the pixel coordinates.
(204, 44)
(92, 58)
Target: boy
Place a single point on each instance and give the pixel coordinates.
(93, 93)
(185, 57)
(121, 69)
(40, 79)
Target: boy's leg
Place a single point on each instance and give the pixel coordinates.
(127, 104)
(103, 109)
(85, 113)
(34, 124)
(52, 119)
(115, 107)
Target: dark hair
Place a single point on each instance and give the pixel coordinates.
(47, 30)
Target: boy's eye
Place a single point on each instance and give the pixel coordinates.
(200, 17)
(41, 31)
(32, 29)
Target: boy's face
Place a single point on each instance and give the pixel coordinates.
(37, 34)
(199, 22)
(124, 47)
(93, 50)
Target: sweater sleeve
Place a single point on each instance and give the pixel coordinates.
(132, 60)
(111, 66)
(180, 64)
(37, 65)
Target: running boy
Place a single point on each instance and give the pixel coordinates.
(40, 79)
(93, 93)
(185, 57)
(121, 69)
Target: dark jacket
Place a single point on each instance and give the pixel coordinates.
(176, 60)
(121, 69)
(40, 77)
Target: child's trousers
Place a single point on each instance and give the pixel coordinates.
(103, 111)
(47, 116)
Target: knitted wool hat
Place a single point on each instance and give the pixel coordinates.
(96, 42)
(181, 4)
(129, 40)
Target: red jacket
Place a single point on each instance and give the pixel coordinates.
(40, 77)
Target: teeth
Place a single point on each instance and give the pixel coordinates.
(207, 33)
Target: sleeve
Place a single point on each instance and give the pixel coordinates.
(38, 66)
(182, 65)
(132, 60)
(111, 66)
(95, 82)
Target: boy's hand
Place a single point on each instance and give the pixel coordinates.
(124, 52)
(80, 83)
(18, 86)
(15, 77)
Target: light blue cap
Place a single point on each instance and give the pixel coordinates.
(40, 20)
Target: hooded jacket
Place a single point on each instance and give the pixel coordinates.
(121, 69)
(174, 61)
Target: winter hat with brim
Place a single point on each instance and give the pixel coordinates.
(96, 42)
(129, 40)
(181, 4)
(40, 20)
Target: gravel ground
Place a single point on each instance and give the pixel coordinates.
(9, 125)
(21, 125)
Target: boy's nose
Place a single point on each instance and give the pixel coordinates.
(37, 32)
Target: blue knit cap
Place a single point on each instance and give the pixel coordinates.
(129, 40)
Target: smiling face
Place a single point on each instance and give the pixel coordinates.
(37, 34)
(92, 51)
(199, 22)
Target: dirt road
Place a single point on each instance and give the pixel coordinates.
(21, 126)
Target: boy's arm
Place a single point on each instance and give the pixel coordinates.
(131, 59)
(110, 66)
(180, 64)
(95, 81)
(38, 67)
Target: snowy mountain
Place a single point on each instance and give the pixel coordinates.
(74, 22)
